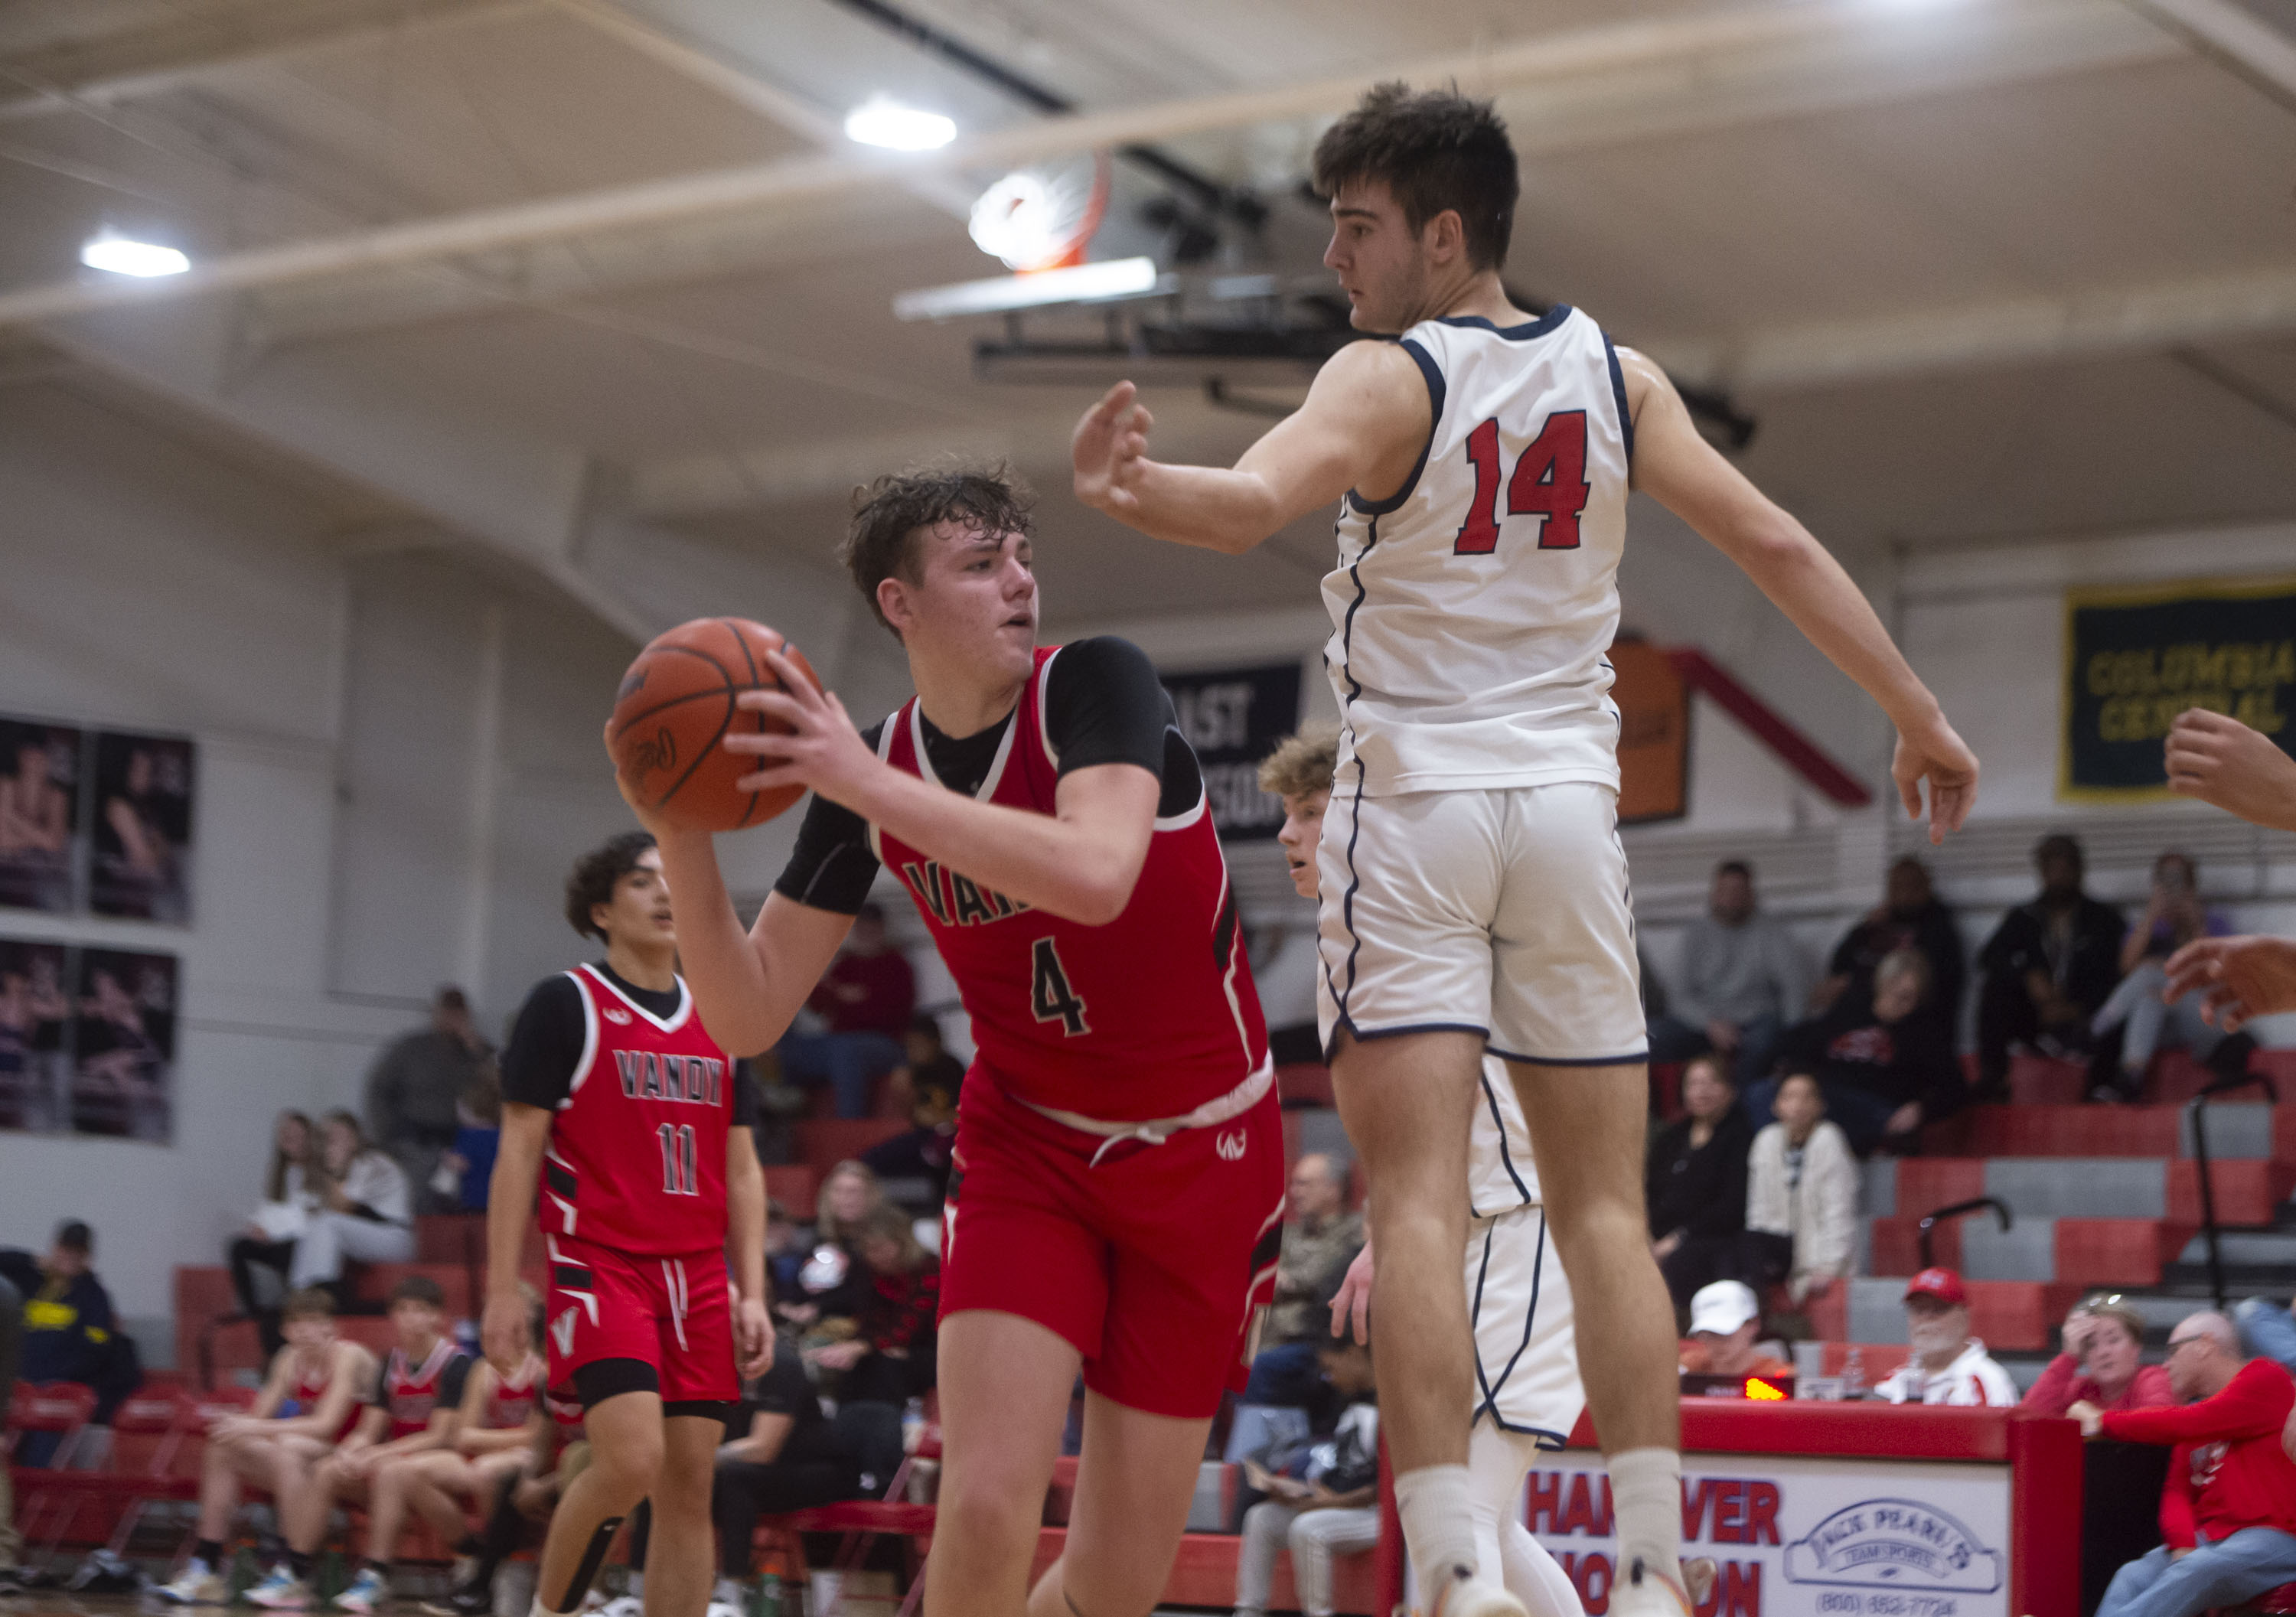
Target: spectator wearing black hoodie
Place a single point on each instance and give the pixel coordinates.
(1696, 1183)
(2047, 968)
(1885, 1071)
(71, 1333)
(1909, 916)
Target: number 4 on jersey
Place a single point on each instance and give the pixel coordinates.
(1050, 996)
(1549, 481)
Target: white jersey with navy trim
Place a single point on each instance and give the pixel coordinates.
(1500, 1173)
(1472, 611)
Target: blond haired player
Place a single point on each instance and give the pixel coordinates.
(1473, 889)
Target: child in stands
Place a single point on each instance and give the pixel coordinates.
(310, 1400)
(416, 1408)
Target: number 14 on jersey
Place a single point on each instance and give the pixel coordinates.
(1549, 482)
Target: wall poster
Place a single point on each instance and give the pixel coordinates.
(42, 815)
(88, 1040)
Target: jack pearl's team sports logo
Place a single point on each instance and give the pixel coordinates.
(1893, 1544)
(1230, 1146)
(619, 1016)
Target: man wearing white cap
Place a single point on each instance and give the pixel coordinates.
(1948, 1366)
(1724, 1319)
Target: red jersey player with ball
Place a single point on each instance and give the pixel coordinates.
(626, 1117)
(1119, 1149)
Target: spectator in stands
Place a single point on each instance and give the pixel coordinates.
(268, 1241)
(1726, 1320)
(1695, 1183)
(1322, 1492)
(2174, 916)
(467, 1166)
(2228, 1513)
(1300, 772)
(70, 1334)
(1801, 1195)
(1885, 1071)
(1320, 1239)
(920, 1158)
(1743, 979)
(414, 1408)
(828, 1283)
(890, 1357)
(866, 998)
(414, 1088)
(786, 1249)
(790, 1457)
(1909, 916)
(1948, 1366)
(2101, 1363)
(2269, 1329)
(12, 1324)
(312, 1397)
(2048, 967)
(365, 1212)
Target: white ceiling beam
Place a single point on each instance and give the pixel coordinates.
(1673, 48)
(147, 61)
(2238, 38)
(2025, 331)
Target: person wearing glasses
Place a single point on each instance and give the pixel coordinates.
(2228, 1512)
(2102, 1363)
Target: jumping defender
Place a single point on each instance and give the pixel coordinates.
(1474, 891)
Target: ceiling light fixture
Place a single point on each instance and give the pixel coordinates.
(1084, 284)
(881, 122)
(122, 256)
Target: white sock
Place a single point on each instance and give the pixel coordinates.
(1438, 1529)
(1646, 1491)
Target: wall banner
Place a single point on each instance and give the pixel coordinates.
(1233, 718)
(2135, 657)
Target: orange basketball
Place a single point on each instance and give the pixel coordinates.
(676, 704)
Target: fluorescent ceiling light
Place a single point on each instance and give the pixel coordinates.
(881, 122)
(1083, 284)
(123, 257)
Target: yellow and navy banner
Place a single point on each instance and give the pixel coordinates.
(2135, 657)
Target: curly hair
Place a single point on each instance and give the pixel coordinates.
(1433, 150)
(1301, 764)
(881, 540)
(591, 880)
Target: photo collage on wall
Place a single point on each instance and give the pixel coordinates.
(92, 822)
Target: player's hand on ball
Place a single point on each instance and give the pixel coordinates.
(1109, 449)
(653, 824)
(2239, 978)
(823, 750)
(1930, 750)
(1351, 1303)
(754, 1337)
(506, 1332)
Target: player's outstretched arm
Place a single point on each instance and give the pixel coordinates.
(1690, 478)
(1363, 424)
(2218, 759)
(1079, 862)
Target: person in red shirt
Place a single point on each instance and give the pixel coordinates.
(1119, 1159)
(628, 1135)
(2102, 1363)
(867, 998)
(2228, 1513)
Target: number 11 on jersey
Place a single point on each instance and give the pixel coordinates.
(1549, 481)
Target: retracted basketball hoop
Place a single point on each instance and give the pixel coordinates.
(1043, 218)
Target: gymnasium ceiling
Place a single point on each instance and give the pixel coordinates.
(597, 289)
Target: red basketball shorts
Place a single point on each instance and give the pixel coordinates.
(1152, 1264)
(674, 1313)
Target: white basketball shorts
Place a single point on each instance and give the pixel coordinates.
(1504, 913)
(1526, 1353)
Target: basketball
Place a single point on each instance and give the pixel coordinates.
(678, 702)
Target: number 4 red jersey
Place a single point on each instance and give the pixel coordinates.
(636, 1159)
(1147, 1017)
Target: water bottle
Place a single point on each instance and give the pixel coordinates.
(769, 1593)
(1853, 1372)
(913, 1424)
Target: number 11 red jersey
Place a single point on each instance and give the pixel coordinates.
(636, 1157)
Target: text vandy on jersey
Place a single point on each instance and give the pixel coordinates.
(649, 1076)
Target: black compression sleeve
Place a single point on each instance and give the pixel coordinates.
(545, 1045)
(1104, 705)
(745, 1096)
(831, 867)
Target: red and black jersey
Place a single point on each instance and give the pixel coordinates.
(636, 1157)
(511, 1401)
(1148, 1016)
(412, 1393)
(309, 1391)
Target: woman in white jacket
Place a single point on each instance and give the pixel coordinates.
(365, 1212)
(1801, 1183)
